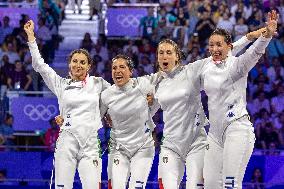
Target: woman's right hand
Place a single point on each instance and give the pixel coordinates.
(59, 120)
(108, 120)
(150, 99)
(29, 29)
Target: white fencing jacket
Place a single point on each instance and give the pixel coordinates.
(178, 93)
(78, 101)
(226, 83)
(131, 116)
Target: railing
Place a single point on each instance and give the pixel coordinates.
(27, 148)
(19, 4)
(18, 93)
(156, 5)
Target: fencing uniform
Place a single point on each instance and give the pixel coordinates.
(231, 135)
(184, 138)
(131, 144)
(184, 134)
(78, 143)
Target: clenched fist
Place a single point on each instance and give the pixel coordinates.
(29, 29)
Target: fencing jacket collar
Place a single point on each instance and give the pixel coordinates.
(172, 73)
(127, 86)
(78, 84)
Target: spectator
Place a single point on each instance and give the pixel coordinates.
(255, 20)
(99, 65)
(180, 33)
(193, 55)
(20, 28)
(279, 123)
(205, 6)
(281, 10)
(225, 23)
(163, 30)
(269, 135)
(257, 180)
(240, 10)
(240, 29)
(261, 83)
(169, 17)
(148, 23)
(11, 53)
(6, 130)
(275, 71)
(223, 8)
(146, 64)
(6, 29)
(51, 135)
(140, 71)
(19, 79)
(277, 103)
(87, 42)
(183, 17)
(78, 4)
(261, 102)
(3, 178)
(259, 125)
(272, 149)
(100, 50)
(6, 69)
(275, 48)
(193, 42)
(130, 47)
(45, 37)
(259, 69)
(192, 7)
(50, 11)
(43, 32)
(204, 27)
(95, 8)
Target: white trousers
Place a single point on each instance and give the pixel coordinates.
(69, 156)
(225, 163)
(171, 169)
(121, 166)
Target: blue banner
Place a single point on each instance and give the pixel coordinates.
(33, 113)
(38, 165)
(124, 21)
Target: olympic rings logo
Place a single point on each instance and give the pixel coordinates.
(129, 20)
(40, 112)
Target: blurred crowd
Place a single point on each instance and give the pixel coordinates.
(189, 23)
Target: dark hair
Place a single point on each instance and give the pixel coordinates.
(4, 172)
(224, 33)
(16, 61)
(79, 51)
(260, 179)
(42, 19)
(179, 52)
(51, 120)
(8, 116)
(128, 60)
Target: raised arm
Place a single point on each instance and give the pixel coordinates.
(248, 60)
(52, 80)
(245, 40)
